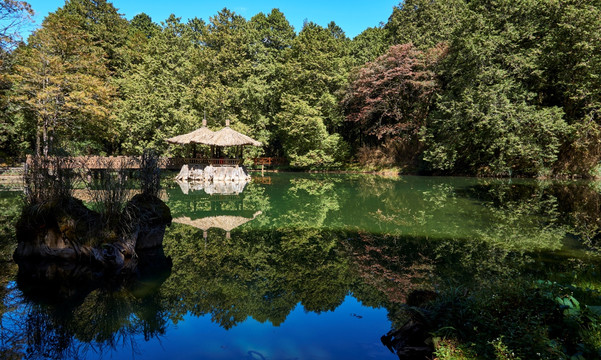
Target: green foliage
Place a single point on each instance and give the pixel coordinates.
(368, 45)
(143, 23)
(105, 27)
(10, 207)
(13, 15)
(62, 77)
(425, 23)
(491, 120)
(493, 133)
(271, 37)
(517, 92)
(305, 138)
(158, 99)
(519, 85)
(573, 78)
(315, 72)
(514, 321)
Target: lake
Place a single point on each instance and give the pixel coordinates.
(299, 266)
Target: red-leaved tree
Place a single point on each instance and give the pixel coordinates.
(390, 97)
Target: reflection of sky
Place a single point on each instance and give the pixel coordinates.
(352, 331)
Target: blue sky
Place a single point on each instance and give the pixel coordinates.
(351, 15)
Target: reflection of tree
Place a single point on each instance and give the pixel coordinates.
(199, 204)
(261, 274)
(256, 199)
(308, 202)
(395, 266)
(319, 238)
(264, 273)
(10, 209)
(512, 216)
(579, 205)
(539, 215)
(522, 217)
(406, 206)
(8, 312)
(68, 310)
(390, 265)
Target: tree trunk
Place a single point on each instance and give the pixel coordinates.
(45, 137)
(38, 145)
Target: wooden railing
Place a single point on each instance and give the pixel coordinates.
(270, 161)
(178, 162)
(133, 162)
(89, 162)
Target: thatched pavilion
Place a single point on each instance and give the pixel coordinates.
(229, 137)
(226, 137)
(210, 169)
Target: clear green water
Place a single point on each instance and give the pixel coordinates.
(299, 266)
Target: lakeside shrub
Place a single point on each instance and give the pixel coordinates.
(516, 320)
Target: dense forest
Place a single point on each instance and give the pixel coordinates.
(480, 87)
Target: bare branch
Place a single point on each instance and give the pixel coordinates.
(14, 15)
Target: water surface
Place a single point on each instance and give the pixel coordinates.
(297, 266)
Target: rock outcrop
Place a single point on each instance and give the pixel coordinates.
(66, 230)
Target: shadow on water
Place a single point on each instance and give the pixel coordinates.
(66, 310)
(388, 243)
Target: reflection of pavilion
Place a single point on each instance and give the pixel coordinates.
(220, 206)
(224, 222)
(211, 188)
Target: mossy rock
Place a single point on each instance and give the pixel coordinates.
(67, 230)
(69, 216)
(151, 216)
(148, 210)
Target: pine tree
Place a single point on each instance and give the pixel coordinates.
(158, 93)
(61, 80)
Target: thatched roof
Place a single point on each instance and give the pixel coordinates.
(198, 136)
(230, 137)
(223, 137)
(225, 222)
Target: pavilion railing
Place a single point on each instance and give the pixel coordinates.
(178, 162)
(133, 162)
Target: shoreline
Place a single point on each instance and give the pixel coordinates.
(15, 174)
(392, 173)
